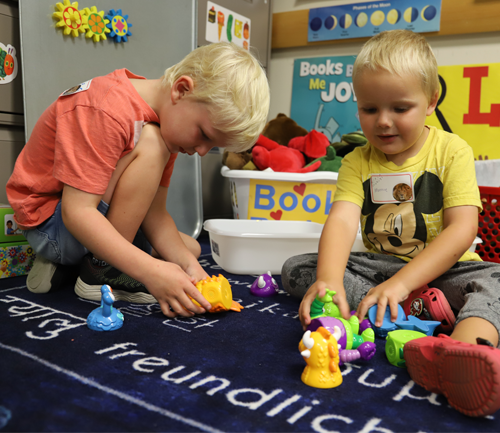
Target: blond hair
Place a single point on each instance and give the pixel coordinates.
(400, 52)
(233, 84)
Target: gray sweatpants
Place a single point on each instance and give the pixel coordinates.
(471, 288)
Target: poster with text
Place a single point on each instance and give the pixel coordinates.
(323, 97)
(359, 20)
(469, 101)
(469, 106)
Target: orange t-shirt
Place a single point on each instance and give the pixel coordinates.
(78, 141)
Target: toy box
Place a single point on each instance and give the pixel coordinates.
(16, 259)
(10, 232)
(269, 195)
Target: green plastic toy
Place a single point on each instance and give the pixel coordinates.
(395, 344)
(325, 307)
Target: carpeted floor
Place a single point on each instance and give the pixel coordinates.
(233, 372)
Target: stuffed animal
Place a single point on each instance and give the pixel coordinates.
(282, 129)
(330, 162)
(238, 160)
(313, 145)
(350, 142)
(268, 153)
(280, 132)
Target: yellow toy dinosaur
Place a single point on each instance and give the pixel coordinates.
(321, 353)
(217, 291)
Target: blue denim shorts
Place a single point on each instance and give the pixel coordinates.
(52, 240)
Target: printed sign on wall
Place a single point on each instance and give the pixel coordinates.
(290, 201)
(323, 97)
(469, 103)
(469, 106)
(226, 25)
(367, 19)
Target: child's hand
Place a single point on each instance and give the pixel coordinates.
(319, 288)
(173, 287)
(196, 272)
(388, 293)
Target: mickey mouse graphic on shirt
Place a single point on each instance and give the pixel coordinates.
(399, 228)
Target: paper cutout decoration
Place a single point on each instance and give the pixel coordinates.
(8, 63)
(119, 25)
(70, 18)
(97, 24)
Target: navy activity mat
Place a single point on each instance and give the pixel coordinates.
(231, 372)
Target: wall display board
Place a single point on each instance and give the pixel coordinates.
(323, 97)
(367, 19)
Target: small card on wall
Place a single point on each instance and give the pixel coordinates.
(391, 188)
(225, 25)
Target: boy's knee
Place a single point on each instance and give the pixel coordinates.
(298, 274)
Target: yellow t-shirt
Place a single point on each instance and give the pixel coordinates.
(440, 176)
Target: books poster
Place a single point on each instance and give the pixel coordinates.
(323, 97)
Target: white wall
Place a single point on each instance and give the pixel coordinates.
(450, 50)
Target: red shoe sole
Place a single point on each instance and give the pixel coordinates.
(436, 304)
(467, 375)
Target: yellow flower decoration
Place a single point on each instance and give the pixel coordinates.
(70, 18)
(96, 24)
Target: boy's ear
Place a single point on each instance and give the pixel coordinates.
(181, 87)
(433, 103)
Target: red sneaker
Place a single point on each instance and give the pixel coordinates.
(430, 304)
(467, 374)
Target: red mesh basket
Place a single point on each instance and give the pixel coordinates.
(489, 225)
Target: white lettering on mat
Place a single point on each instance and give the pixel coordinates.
(274, 402)
(301, 405)
(54, 321)
(130, 399)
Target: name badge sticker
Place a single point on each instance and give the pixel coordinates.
(391, 188)
(77, 89)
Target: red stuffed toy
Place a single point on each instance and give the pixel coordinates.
(268, 154)
(313, 145)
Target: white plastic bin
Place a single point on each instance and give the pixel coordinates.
(255, 247)
(246, 247)
(281, 196)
